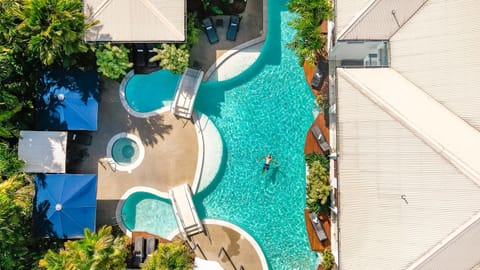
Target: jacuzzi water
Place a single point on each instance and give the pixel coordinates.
(125, 151)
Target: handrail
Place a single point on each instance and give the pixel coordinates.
(228, 256)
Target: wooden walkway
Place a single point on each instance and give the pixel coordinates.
(311, 144)
(315, 244)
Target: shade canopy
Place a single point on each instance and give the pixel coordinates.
(67, 100)
(43, 151)
(65, 204)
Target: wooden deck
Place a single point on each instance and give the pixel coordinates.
(315, 244)
(311, 144)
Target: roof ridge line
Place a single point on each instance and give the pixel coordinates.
(358, 21)
(161, 17)
(445, 241)
(397, 115)
(361, 14)
(101, 8)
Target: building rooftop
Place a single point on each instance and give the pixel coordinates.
(136, 21)
(407, 137)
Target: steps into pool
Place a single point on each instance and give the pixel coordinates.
(185, 213)
(186, 93)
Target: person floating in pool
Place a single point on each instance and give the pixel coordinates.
(268, 161)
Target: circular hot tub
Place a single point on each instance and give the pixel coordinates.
(125, 151)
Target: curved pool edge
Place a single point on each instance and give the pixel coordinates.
(126, 106)
(212, 148)
(240, 47)
(118, 209)
(239, 230)
(141, 148)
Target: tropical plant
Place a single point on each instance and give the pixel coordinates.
(54, 30)
(308, 40)
(10, 165)
(172, 58)
(322, 101)
(320, 8)
(311, 157)
(193, 30)
(170, 256)
(16, 194)
(318, 187)
(328, 261)
(100, 250)
(112, 60)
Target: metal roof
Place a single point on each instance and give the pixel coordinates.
(136, 21)
(399, 198)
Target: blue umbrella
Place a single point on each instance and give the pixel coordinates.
(65, 204)
(68, 100)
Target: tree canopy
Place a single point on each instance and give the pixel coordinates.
(97, 250)
(170, 256)
(16, 195)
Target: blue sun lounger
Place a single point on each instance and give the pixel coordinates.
(233, 27)
(210, 30)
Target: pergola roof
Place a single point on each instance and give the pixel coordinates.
(136, 21)
(43, 151)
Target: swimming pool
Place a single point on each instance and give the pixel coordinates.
(145, 94)
(266, 109)
(144, 211)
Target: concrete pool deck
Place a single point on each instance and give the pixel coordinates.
(171, 150)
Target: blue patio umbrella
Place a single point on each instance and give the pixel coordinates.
(65, 204)
(68, 100)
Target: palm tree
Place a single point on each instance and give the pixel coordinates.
(170, 256)
(16, 196)
(308, 40)
(100, 250)
(54, 30)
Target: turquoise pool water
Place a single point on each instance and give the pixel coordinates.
(266, 109)
(144, 211)
(146, 93)
(125, 151)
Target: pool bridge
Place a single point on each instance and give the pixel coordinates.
(185, 213)
(186, 93)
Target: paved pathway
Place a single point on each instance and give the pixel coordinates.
(171, 151)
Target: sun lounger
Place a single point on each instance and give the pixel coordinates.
(317, 133)
(317, 225)
(138, 251)
(210, 30)
(233, 27)
(151, 246)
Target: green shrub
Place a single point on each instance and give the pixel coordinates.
(193, 29)
(318, 188)
(308, 40)
(172, 58)
(328, 260)
(311, 157)
(171, 256)
(112, 60)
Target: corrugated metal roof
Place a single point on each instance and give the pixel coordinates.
(136, 21)
(381, 20)
(455, 254)
(347, 11)
(438, 51)
(379, 160)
